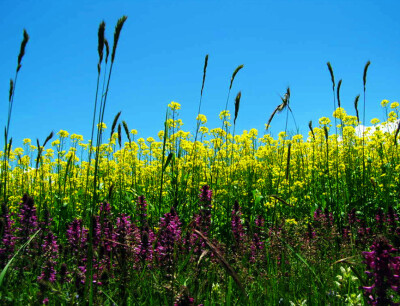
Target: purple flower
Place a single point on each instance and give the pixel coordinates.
(145, 248)
(236, 223)
(77, 237)
(169, 235)
(142, 210)
(28, 223)
(202, 222)
(257, 245)
(7, 242)
(48, 271)
(383, 269)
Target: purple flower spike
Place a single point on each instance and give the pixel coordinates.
(384, 270)
(7, 241)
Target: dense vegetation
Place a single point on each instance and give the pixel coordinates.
(210, 217)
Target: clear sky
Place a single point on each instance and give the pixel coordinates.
(161, 52)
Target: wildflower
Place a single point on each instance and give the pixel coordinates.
(63, 134)
(8, 240)
(394, 105)
(375, 121)
(76, 137)
(26, 141)
(101, 126)
(383, 269)
(236, 224)
(291, 221)
(203, 130)
(168, 236)
(339, 113)
(174, 106)
(324, 121)
(202, 118)
(224, 115)
(384, 103)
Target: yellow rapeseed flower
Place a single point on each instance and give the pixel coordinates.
(101, 126)
(224, 115)
(291, 221)
(375, 121)
(384, 102)
(202, 118)
(174, 106)
(63, 134)
(324, 121)
(394, 105)
(27, 140)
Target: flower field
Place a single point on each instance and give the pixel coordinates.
(211, 216)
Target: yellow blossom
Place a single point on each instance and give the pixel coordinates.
(174, 106)
(384, 103)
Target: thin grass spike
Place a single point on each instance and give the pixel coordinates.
(48, 138)
(100, 46)
(125, 125)
(311, 129)
(11, 90)
(118, 29)
(204, 73)
(114, 123)
(107, 49)
(365, 74)
(237, 103)
(356, 106)
(119, 134)
(332, 75)
(397, 133)
(234, 75)
(22, 49)
(338, 92)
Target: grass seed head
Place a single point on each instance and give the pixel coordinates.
(234, 75)
(117, 32)
(332, 75)
(100, 46)
(237, 103)
(22, 49)
(365, 73)
(338, 92)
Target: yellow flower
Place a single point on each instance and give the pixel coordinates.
(161, 135)
(174, 106)
(150, 139)
(27, 140)
(339, 113)
(375, 121)
(203, 130)
(77, 137)
(384, 103)
(394, 105)
(224, 115)
(324, 121)
(101, 126)
(134, 132)
(18, 151)
(55, 142)
(202, 118)
(291, 221)
(63, 134)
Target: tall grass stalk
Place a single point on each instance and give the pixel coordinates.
(13, 85)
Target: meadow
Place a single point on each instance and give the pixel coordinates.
(210, 216)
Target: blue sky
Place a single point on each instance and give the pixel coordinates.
(160, 58)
